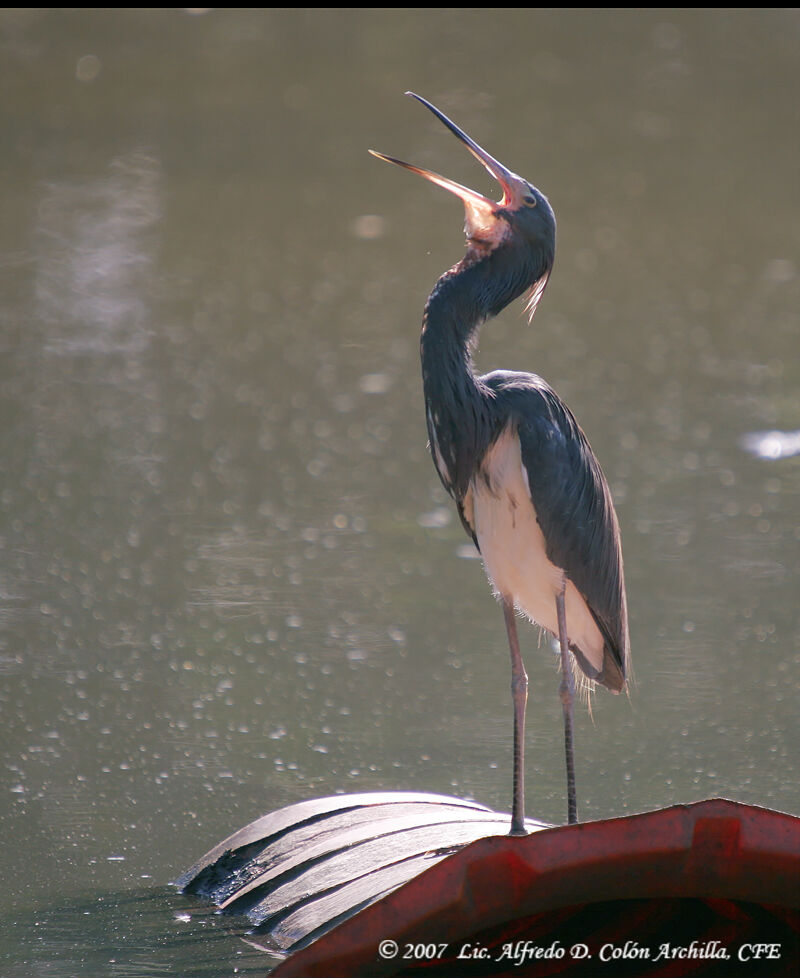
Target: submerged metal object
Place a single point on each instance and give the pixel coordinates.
(336, 884)
(297, 872)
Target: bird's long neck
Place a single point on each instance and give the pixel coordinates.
(457, 403)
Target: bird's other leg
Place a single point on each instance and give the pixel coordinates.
(519, 695)
(567, 693)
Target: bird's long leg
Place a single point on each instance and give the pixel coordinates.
(519, 695)
(567, 693)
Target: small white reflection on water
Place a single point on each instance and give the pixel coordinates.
(772, 444)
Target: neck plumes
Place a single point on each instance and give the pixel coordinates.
(458, 404)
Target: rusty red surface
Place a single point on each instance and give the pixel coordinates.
(718, 873)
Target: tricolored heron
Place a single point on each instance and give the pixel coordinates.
(528, 487)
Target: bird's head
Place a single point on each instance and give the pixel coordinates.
(521, 225)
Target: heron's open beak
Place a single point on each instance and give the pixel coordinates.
(481, 212)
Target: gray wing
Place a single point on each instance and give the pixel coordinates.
(573, 505)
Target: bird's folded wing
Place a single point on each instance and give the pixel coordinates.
(572, 502)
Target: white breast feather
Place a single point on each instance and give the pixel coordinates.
(514, 551)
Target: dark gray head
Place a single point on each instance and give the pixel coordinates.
(518, 232)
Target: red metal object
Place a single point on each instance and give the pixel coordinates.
(722, 874)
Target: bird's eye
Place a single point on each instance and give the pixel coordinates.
(529, 200)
